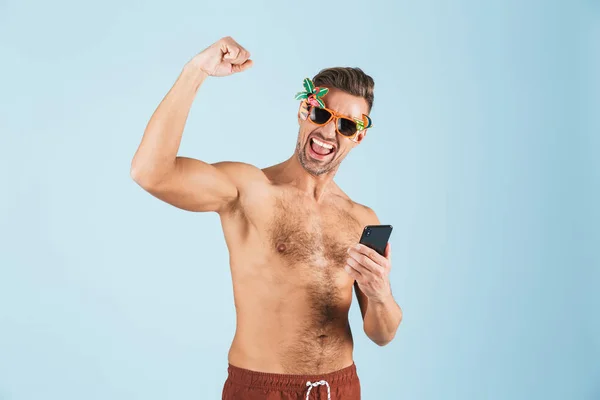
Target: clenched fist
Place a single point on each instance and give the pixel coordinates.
(223, 58)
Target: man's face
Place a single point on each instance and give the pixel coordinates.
(321, 149)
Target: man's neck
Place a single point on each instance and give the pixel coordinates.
(293, 173)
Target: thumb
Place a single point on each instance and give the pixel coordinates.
(241, 67)
(388, 252)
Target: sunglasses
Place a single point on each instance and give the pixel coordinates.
(345, 126)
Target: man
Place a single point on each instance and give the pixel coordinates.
(291, 232)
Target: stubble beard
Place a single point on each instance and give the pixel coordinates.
(309, 165)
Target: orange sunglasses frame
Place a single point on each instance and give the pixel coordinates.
(335, 116)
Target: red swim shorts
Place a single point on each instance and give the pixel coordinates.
(243, 384)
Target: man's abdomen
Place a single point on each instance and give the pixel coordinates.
(295, 335)
(307, 353)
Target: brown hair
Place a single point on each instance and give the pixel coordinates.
(350, 80)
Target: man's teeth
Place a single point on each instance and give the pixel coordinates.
(322, 144)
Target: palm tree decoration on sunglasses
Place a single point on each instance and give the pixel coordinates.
(313, 96)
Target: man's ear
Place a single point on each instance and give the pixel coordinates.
(302, 111)
(361, 135)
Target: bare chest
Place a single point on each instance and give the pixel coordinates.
(308, 237)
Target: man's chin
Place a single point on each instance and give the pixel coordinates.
(313, 166)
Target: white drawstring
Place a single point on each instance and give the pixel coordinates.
(315, 384)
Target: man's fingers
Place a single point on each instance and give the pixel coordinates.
(231, 52)
(243, 56)
(388, 252)
(371, 254)
(236, 54)
(353, 273)
(365, 261)
(362, 260)
(366, 272)
(241, 67)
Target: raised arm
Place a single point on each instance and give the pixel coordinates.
(188, 183)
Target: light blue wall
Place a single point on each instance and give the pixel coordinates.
(484, 158)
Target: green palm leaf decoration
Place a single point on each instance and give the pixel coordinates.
(312, 94)
(365, 123)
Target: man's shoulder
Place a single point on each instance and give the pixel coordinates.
(365, 214)
(362, 213)
(241, 172)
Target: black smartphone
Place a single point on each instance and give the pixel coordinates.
(376, 237)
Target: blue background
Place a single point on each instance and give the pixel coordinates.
(484, 158)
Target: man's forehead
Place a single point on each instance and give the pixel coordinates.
(345, 103)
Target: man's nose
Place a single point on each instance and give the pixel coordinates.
(329, 129)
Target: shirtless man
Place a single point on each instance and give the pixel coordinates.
(291, 232)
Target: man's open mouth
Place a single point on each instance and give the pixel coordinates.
(321, 148)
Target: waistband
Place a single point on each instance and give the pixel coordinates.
(266, 380)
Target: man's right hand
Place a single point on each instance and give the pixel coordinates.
(222, 58)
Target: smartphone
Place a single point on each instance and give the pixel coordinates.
(376, 237)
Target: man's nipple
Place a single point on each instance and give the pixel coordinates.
(281, 247)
